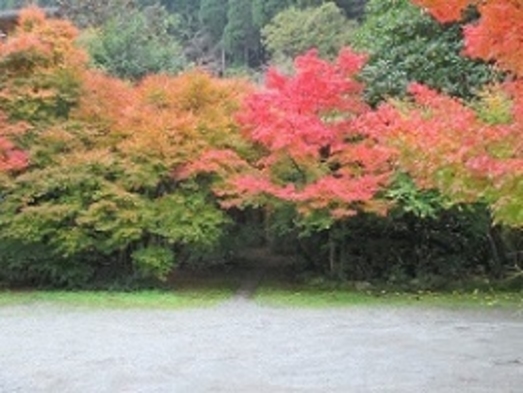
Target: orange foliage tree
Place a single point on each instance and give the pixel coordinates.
(99, 189)
(41, 68)
(38, 66)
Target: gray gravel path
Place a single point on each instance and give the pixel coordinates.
(243, 347)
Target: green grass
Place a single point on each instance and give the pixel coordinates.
(268, 295)
(209, 289)
(187, 290)
(321, 298)
(116, 300)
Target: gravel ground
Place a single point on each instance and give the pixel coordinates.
(240, 346)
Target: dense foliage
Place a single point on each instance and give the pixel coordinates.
(294, 31)
(315, 150)
(98, 193)
(406, 45)
(11, 157)
(471, 154)
(220, 34)
(131, 170)
(136, 44)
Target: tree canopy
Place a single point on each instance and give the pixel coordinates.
(294, 31)
(407, 45)
(471, 154)
(127, 166)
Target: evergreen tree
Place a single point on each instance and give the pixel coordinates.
(213, 17)
(405, 44)
(354, 9)
(264, 10)
(208, 48)
(241, 38)
(187, 11)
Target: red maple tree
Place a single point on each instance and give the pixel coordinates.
(311, 149)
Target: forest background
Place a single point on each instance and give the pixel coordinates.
(180, 133)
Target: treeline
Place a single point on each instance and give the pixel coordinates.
(122, 164)
(225, 36)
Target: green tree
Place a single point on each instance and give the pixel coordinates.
(241, 38)
(294, 31)
(136, 43)
(405, 44)
(13, 4)
(213, 17)
(187, 11)
(354, 9)
(309, 3)
(9, 4)
(264, 10)
(208, 47)
(94, 13)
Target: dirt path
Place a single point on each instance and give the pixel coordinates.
(243, 347)
(260, 262)
(250, 284)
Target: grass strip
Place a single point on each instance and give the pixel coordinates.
(323, 298)
(150, 299)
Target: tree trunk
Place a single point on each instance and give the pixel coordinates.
(222, 70)
(332, 252)
(499, 259)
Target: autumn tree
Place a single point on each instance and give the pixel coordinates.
(312, 153)
(41, 68)
(11, 157)
(471, 153)
(40, 71)
(99, 198)
(497, 35)
(101, 184)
